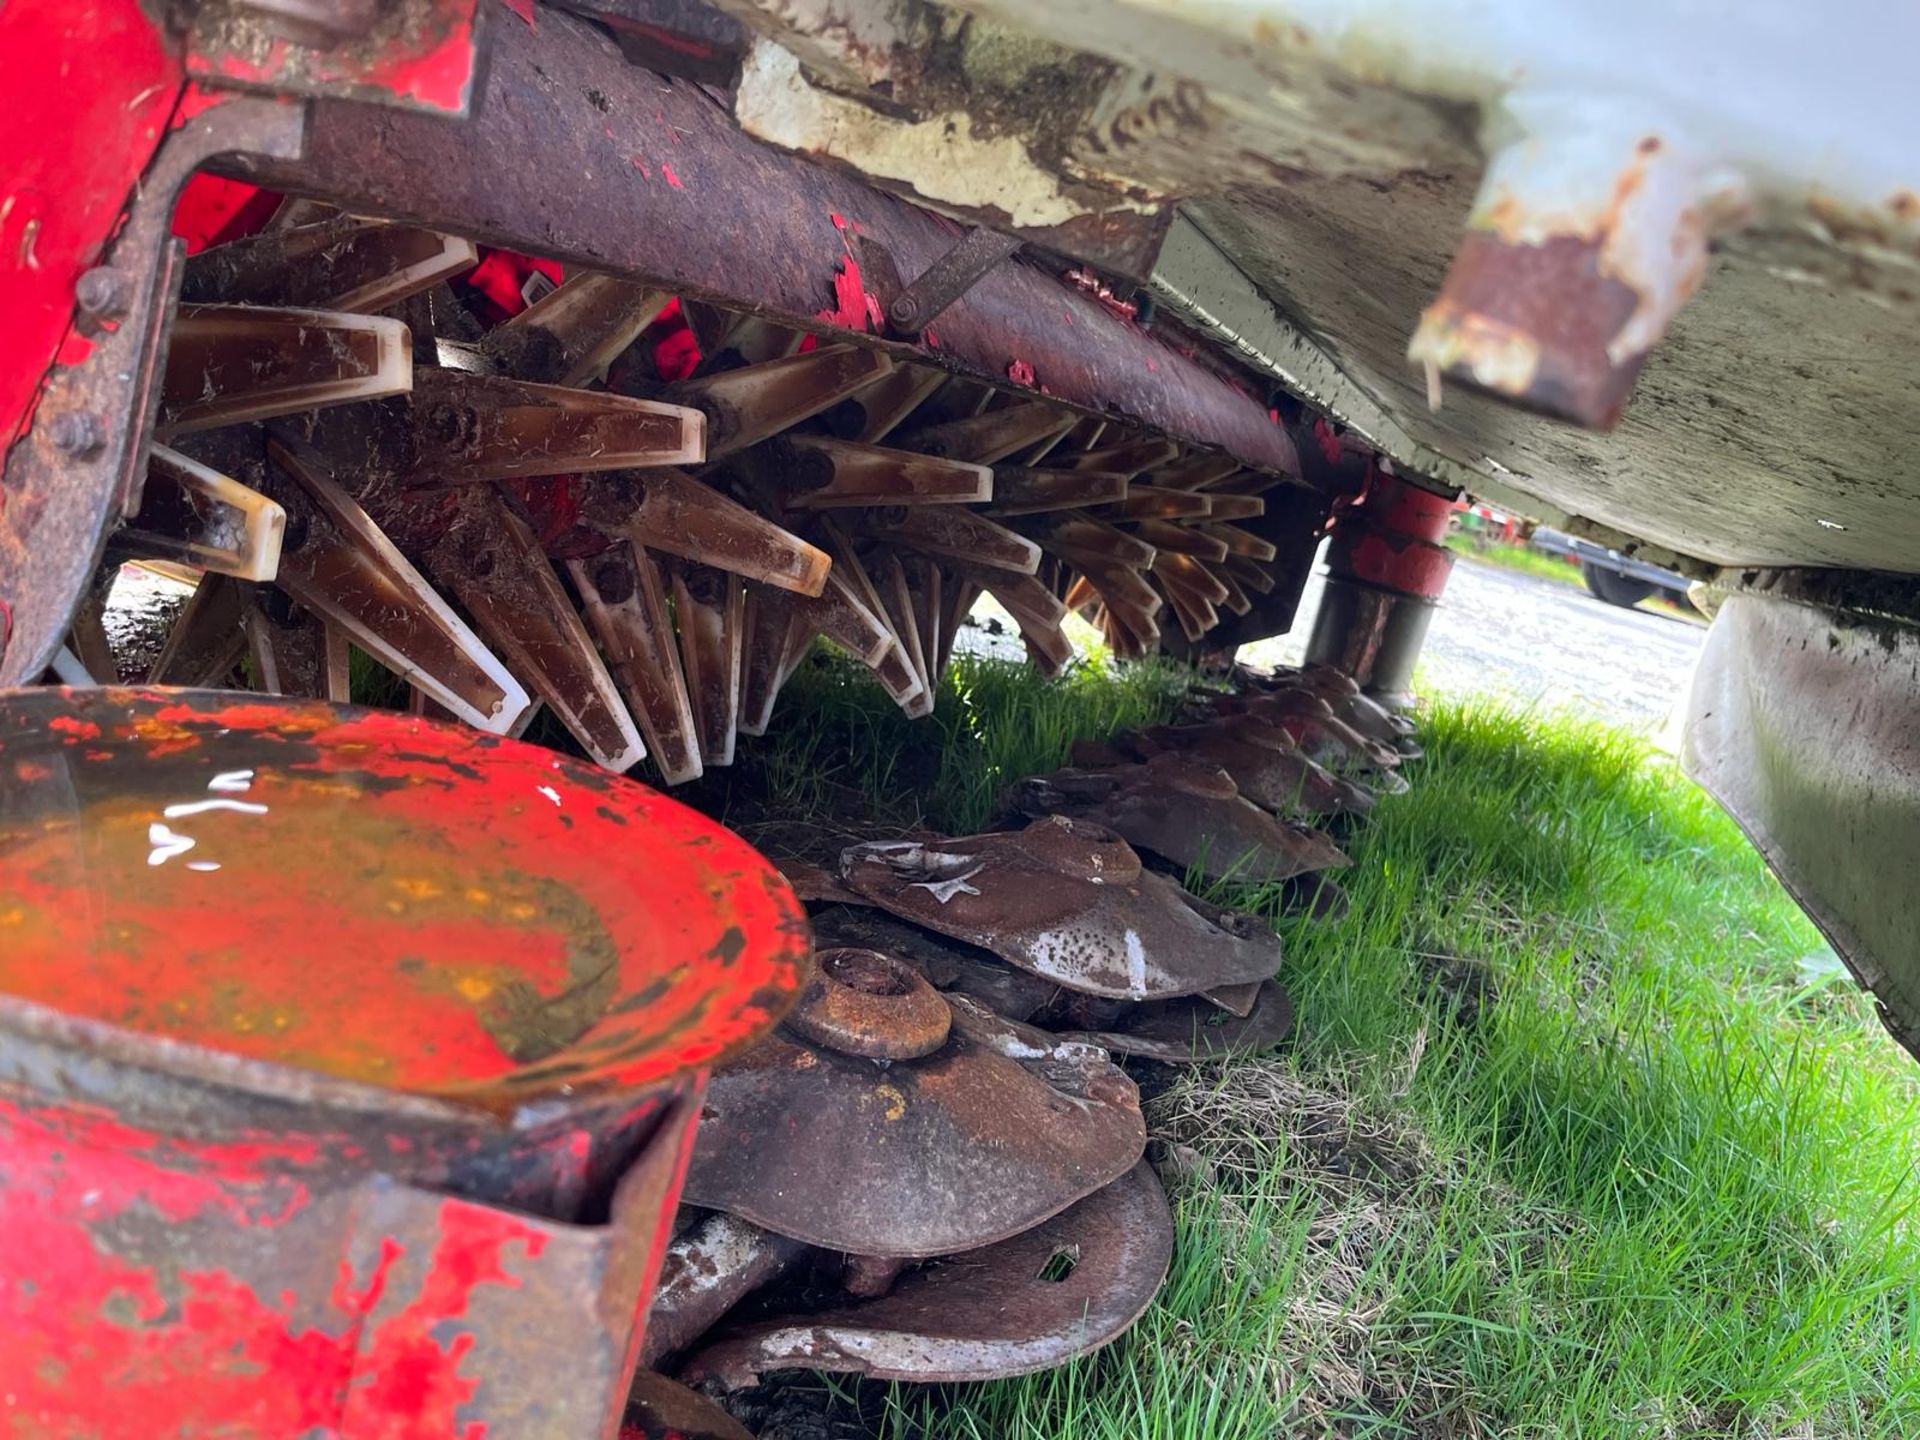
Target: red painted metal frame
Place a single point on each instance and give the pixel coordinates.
(1392, 539)
(631, 172)
(348, 1065)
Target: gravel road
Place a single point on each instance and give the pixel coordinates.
(1539, 641)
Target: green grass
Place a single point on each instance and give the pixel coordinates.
(836, 735)
(1566, 1145)
(1521, 558)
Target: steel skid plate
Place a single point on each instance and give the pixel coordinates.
(1188, 813)
(1068, 900)
(1801, 723)
(349, 1064)
(1059, 1290)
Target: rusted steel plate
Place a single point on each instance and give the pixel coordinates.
(670, 171)
(1185, 812)
(710, 1267)
(1801, 724)
(505, 933)
(1263, 762)
(425, 55)
(986, 1315)
(1066, 899)
(77, 468)
(663, 1409)
(1181, 1032)
(987, 1136)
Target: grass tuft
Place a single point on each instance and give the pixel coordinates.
(1567, 1145)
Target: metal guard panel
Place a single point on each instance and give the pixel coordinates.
(1803, 725)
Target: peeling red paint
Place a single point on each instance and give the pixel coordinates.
(431, 61)
(666, 169)
(70, 154)
(524, 9)
(1020, 372)
(853, 308)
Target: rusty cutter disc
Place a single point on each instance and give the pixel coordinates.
(1184, 1031)
(663, 1409)
(1067, 899)
(949, 964)
(986, 1315)
(1000, 1128)
(1188, 813)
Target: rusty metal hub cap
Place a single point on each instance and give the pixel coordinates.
(1066, 899)
(990, 1134)
(861, 1002)
(1003, 1310)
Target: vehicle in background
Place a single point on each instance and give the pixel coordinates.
(1609, 575)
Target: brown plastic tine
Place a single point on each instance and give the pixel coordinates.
(770, 628)
(879, 407)
(1247, 482)
(87, 637)
(710, 607)
(1120, 586)
(1235, 507)
(193, 514)
(993, 435)
(756, 402)
(1196, 472)
(470, 428)
(1236, 598)
(1080, 593)
(1085, 434)
(504, 579)
(287, 654)
(346, 570)
(819, 473)
(1240, 542)
(1182, 539)
(1085, 542)
(1190, 575)
(670, 511)
(950, 532)
(898, 597)
(1151, 502)
(844, 617)
(337, 656)
(342, 263)
(957, 604)
(1022, 490)
(1130, 458)
(232, 363)
(893, 666)
(1250, 574)
(1048, 649)
(625, 602)
(1196, 617)
(926, 589)
(571, 335)
(206, 639)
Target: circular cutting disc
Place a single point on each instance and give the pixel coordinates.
(256, 891)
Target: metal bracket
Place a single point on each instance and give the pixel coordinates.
(948, 278)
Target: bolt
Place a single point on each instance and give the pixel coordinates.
(904, 313)
(78, 433)
(101, 293)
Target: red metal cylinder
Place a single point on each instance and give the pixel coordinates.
(348, 1066)
(1386, 569)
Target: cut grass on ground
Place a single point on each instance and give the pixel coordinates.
(1565, 1145)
